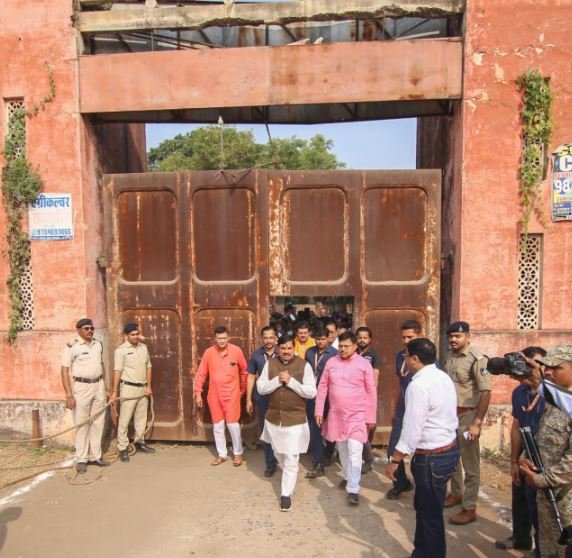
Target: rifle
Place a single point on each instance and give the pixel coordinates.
(533, 454)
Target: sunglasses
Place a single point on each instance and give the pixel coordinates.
(88, 328)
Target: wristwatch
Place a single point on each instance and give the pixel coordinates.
(395, 461)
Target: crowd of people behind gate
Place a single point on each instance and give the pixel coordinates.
(315, 389)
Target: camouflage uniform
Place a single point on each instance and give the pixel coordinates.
(554, 439)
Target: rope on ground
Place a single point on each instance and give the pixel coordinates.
(110, 456)
(75, 426)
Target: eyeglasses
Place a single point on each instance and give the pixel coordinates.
(88, 328)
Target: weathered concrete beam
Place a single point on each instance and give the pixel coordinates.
(287, 114)
(267, 76)
(139, 17)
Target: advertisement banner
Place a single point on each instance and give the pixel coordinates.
(562, 183)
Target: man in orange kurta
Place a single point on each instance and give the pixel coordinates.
(225, 366)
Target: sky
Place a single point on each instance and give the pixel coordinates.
(380, 144)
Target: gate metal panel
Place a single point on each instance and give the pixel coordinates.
(400, 267)
(227, 262)
(146, 238)
(190, 251)
(373, 235)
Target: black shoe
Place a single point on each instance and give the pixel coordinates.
(343, 484)
(269, 472)
(81, 467)
(366, 468)
(123, 456)
(317, 471)
(99, 463)
(285, 503)
(394, 493)
(353, 499)
(144, 448)
(510, 544)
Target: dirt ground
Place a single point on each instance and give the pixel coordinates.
(175, 504)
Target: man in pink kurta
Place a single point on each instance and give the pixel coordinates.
(225, 366)
(349, 385)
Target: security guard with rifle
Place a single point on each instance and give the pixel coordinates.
(549, 465)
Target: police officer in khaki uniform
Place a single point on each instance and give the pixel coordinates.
(132, 379)
(85, 393)
(467, 367)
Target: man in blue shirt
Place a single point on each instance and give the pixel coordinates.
(410, 329)
(527, 410)
(364, 336)
(317, 356)
(255, 365)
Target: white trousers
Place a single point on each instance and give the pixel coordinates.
(220, 439)
(350, 457)
(289, 464)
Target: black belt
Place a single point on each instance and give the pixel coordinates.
(134, 384)
(87, 380)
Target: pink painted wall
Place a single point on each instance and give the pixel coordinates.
(479, 150)
(66, 283)
(498, 48)
(70, 153)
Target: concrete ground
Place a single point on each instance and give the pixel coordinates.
(175, 504)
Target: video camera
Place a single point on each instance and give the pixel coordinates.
(512, 364)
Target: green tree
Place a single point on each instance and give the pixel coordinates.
(202, 149)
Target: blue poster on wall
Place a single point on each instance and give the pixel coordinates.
(562, 183)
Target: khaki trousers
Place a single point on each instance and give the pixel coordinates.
(89, 399)
(470, 463)
(135, 409)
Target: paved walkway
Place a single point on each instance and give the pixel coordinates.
(174, 504)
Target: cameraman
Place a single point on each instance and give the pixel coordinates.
(527, 410)
(554, 439)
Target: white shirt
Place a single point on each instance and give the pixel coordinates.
(291, 440)
(306, 389)
(430, 420)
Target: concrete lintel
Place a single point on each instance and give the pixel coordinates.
(267, 76)
(139, 17)
(287, 114)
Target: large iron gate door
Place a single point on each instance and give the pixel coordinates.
(189, 251)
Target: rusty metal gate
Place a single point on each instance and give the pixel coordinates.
(189, 251)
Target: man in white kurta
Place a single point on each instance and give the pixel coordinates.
(288, 381)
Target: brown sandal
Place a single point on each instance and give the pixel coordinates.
(218, 460)
(237, 461)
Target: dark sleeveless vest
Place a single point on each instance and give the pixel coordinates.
(285, 406)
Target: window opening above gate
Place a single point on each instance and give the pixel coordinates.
(148, 25)
(298, 33)
(287, 311)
